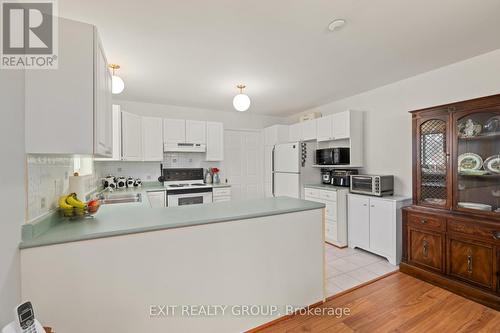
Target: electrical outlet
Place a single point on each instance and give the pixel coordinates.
(43, 203)
(119, 170)
(148, 177)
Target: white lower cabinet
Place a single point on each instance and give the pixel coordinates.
(157, 199)
(335, 212)
(220, 194)
(375, 225)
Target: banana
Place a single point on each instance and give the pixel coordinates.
(63, 204)
(73, 201)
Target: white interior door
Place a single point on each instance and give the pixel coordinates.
(243, 163)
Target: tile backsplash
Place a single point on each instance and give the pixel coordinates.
(150, 171)
(48, 179)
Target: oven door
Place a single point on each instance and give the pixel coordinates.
(188, 197)
(362, 184)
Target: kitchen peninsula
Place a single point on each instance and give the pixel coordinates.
(114, 268)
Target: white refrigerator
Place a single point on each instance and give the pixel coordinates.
(292, 169)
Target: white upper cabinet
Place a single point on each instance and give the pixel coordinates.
(103, 109)
(304, 131)
(308, 130)
(275, 134)
(324, 128)
(196, 131)
(215, 141)
(152, 139)
(131, 137)
(295, 132)
(174, 130)
(68, 110)
(341, 128)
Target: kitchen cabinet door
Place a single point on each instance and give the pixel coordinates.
(103, 109)
(275, 134)
(295, 132)
(196, 131)
(308, 130)
(341, 125)
(359, 222)
(215, 141)
(324, 128)
(157, 199)
(174, 130)
(131, 137)
(152, 139)
(382, 226)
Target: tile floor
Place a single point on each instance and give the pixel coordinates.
(347, 268)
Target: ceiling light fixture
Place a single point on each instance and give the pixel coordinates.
(241, 102)
(117, 84)
(336, 25)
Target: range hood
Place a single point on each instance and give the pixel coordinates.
(185, 147)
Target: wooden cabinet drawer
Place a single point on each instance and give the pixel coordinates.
(311, 192)
(328, 195)
(427, 221)
(486, 231)
(471, 261)
(426, 249)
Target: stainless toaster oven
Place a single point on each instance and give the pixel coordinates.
(372, 185)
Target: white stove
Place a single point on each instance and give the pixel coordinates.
(186, 187)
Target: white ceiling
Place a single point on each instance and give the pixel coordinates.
(194, 53)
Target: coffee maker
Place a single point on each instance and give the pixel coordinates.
(326, 176)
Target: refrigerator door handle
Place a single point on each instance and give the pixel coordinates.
(272, 168)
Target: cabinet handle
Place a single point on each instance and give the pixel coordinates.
(496, 235)
(469, 263)
(372, 206)
(423, 221)
(364, 205)
(426, 248)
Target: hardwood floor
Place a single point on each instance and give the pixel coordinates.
(397, 303)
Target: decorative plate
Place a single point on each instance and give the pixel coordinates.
(469, 161)
(492, 164)
(469, 128)
(473, 173)
(473, 205)
(492, 125)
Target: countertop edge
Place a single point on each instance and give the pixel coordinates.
(27, 245)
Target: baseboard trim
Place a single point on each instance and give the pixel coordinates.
(456, 287)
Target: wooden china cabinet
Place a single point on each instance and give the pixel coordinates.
(451, 233)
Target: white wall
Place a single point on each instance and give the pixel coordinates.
(387, 121)
(231, 120)
(12, 193)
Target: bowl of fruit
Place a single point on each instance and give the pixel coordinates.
(72, 207)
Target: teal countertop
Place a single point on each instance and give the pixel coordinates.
(327, 187)
(129, 218)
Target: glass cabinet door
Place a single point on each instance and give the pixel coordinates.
(477, 185)
(433, 163)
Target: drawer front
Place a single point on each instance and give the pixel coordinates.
(331, 210)
(311, 192)
(471, 261)
(328, 195)
(331, 230)
(221, 192)
(484, 231)
(221, 199)
(427, 221)
(426, 249)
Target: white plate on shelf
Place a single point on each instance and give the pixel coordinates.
(492, 164)
(469, 161)
(477, 206)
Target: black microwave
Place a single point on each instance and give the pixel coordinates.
(333, 156)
